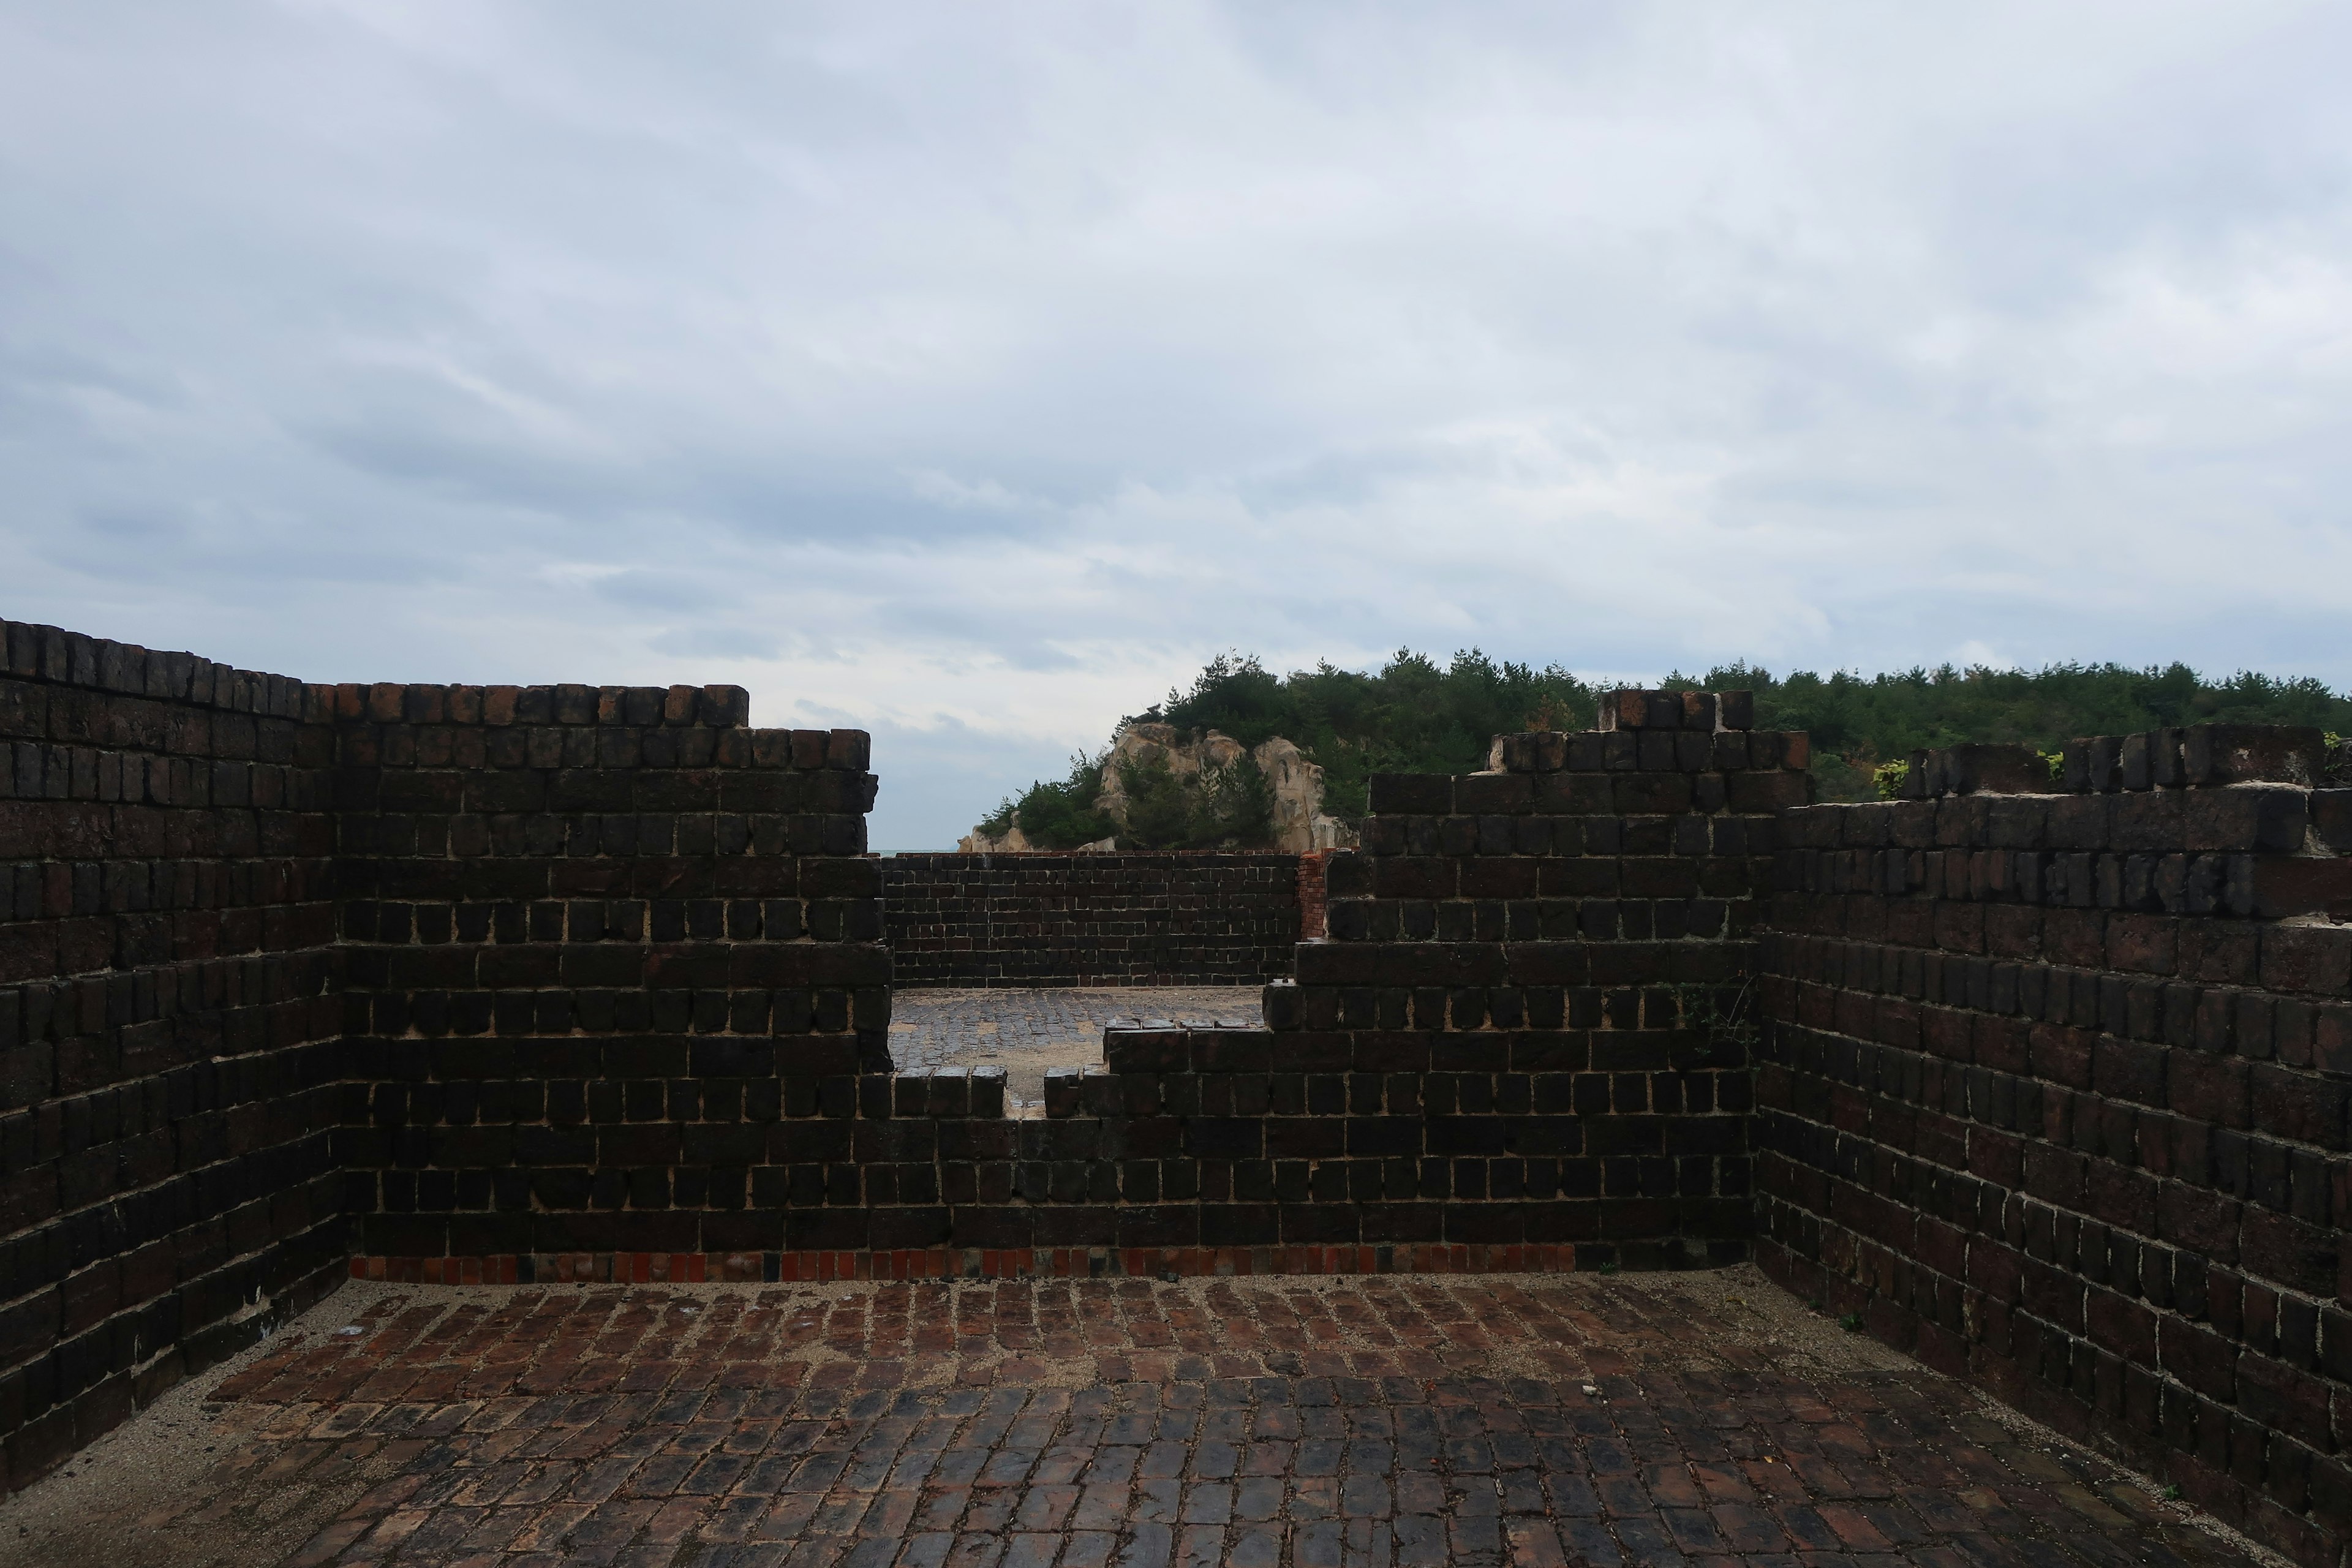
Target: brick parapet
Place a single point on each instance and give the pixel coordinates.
(169, 1061)
(1131, 918)
(2055, 1096)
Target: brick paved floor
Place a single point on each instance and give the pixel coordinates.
(1650, 1419)
(1027, 1031)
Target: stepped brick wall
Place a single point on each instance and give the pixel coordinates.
(1531, 1021)
(2055, 1098)
(1168, 918)
(169, 1058)
(614, 966)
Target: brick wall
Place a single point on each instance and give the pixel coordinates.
(1530, 1023)
(1174, 917)
(169, 1068)
(2056, 1099)
(614, 966)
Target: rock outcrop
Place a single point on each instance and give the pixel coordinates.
(1299, 821)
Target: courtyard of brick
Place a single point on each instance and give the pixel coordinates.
(1606, 1420)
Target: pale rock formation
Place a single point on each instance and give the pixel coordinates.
(1300, 823)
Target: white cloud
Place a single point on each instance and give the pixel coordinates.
(975, 371)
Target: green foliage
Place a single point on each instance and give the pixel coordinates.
(1412, 715)
(1225, 807)
(1058, 814)
(1860, 722)
(1416, 715)
(1888, 779)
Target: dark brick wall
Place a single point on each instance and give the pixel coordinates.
(2055, 1098)
(614, 966)
(168, 1064)
(1173, 917)
(1537, 987)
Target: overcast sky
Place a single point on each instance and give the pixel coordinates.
(972, 374)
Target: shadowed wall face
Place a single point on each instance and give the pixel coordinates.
(1173, 917)
(2056, 1094)
(607, 948)
(169, 1060)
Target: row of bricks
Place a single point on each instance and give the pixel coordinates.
(1495, 1222)
(2218, 1020)
(1048, 942)
(69, 658)
(641, 1025)
(819, 915)
(47, 737)
(89, 947)
(1629, 708)
(219, 1103)
(70, 833)
(208, 1164)
(41, 1074)
(33, 772)
(868, 1108)
(585, 876)
(2199, 755)
(720, 707)
(2247, 818)
(454, 1188)
(622, 789)
(209, 1316)
(1496, 835)
(2067, 1147)
(2166, 1372)
(1520, 877)
(1454, 964)
(1554, 921)
(1526, 882)
(2043, 1252)
(974, 1263)
(2304, 1106)
(171, 1232)
(1760, 793)
(1647, 751)
(2241, 1446)
(2286, 958)
(2156, 1175)
(745, 967)
(2265, 887)
(373, 754)
(67, 889)
(177, 1230)
(590, 836)
(2260, 1343)
(2224, 1463)
(1222, 868)
(2292, 1391)
(1864, 1185)
(69, 1010)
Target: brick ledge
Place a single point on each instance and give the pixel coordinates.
(959, 1263)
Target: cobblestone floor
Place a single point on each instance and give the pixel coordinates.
(1027, 1031)
(1640, 1419)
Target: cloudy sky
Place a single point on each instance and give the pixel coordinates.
(972, 372)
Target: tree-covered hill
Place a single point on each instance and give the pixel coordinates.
(1415, 715)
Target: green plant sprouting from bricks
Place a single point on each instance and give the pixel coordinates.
(1731, 1023)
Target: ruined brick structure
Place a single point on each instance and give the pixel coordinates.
(2047, 1080)
(1167, 918)
(2056, 1098)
